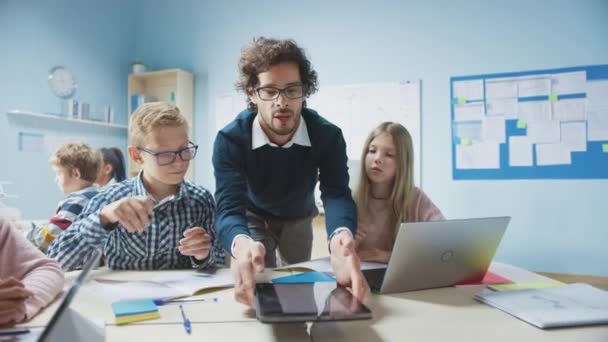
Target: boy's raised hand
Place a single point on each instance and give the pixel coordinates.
(133, 213)
(12, 301)
(196, 243)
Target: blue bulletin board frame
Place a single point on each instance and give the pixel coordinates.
(590, 164)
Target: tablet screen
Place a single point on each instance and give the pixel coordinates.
(323, 301)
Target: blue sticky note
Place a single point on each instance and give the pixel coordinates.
(133, 307)
(304, 278)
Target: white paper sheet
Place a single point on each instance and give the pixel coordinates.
(534, 111)
(469, 90)
(597, 125)
(469, 112)
(494, 129)
(539, 85)
(574, 136)
(597, 95)
(544, 131)
(552, 154)
(481, 155)
(520, 151)
(468, 129)
(502, 107)
(569, 110)
(569, 82)
(501, 88)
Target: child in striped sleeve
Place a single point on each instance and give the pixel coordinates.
(76, 166)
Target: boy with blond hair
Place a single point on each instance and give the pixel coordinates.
(76, 166)
(156, 220)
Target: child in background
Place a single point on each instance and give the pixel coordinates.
(113, 168)
(28, 279)
(386, 195)
(76, 166)
(156, 220)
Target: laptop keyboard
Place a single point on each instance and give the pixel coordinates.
(374, 278)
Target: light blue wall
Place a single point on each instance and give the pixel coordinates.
(94, 39)
(557, 226)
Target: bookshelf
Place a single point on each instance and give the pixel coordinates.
(160, 85)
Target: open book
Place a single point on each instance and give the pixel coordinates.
(159, 285)
(553, 307)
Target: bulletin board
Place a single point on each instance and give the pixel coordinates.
(540, 124)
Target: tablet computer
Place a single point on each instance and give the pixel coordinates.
(324, 301)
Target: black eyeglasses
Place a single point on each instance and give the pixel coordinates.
(168, 157)
(271, 93)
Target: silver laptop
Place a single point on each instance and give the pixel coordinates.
(439, 253)
(50, 333)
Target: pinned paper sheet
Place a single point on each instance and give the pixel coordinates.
(574, 136)
(469, 112)
(480, 155)
(544, 131)
(468, 129)
(534, 111)
(597, 125)
(494, 129)
(468, 90)
(569, 82)
(538, 85)
(569, 110)
(597, 95)
(501, 88)
(520, 151)
(502, 107)
(552, 154)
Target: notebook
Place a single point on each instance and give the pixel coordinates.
(134, 311)
(553, 307)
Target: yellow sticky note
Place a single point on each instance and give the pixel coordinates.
(465, 141)
(605, 148)
(462, 100)
(553, 97)
(524, 286)
(521, 124)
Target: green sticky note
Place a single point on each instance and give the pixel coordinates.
(462, 100)
(465, 141)
(553, 97)
(605, 148)
(521, 124)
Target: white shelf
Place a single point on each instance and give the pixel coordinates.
(54, 117)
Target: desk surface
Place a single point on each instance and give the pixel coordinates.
(429, 315)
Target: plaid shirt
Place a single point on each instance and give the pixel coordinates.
(42, 234)
(156, 247)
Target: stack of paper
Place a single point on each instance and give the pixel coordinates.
(134, 311)
(553, 307)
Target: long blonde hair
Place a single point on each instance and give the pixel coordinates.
(403, 184)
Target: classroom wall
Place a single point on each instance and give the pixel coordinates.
(557, 226)
(91, 38)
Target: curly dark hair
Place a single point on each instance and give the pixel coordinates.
(263, 53)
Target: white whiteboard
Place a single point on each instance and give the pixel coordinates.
(356, 109)
(359, 108)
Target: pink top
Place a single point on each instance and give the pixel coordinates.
(377, 231)
(39, 274)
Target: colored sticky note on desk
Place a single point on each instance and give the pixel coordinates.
(134, 311)
(524, 286)
(489, 278)
(304, 278)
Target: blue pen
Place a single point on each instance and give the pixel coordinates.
(187, 324)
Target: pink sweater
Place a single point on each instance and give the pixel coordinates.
(378, 231)
(39, 274)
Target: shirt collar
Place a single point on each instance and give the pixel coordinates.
(259, 138)
(140, 190)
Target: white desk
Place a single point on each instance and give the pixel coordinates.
(447, 314)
